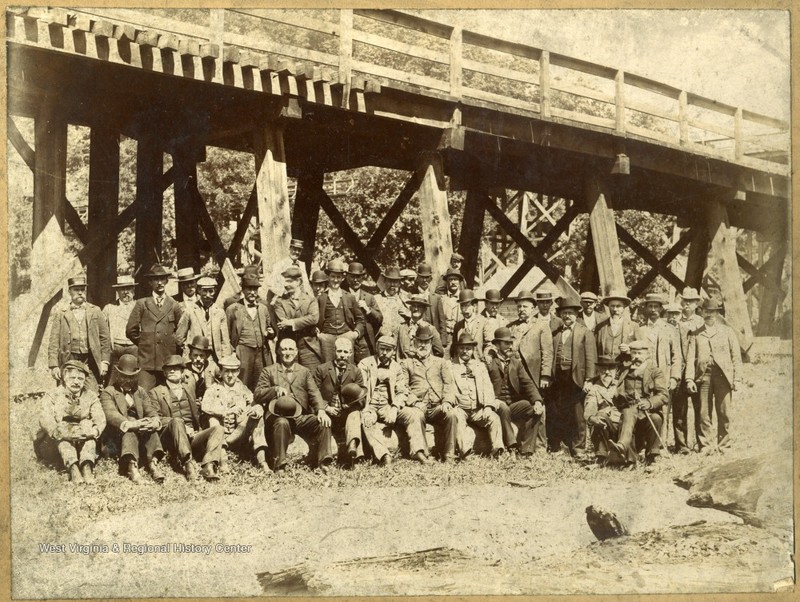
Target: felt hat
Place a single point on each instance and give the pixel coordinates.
(173, 361)
(76, 281)
(690, 294)
(388, 340)
(336, 266)
(296, 243)
(356, 269)
(77, 365)
(570, 302)
(465, 338)
(655, 298)
(616, 295)
(493, 296)
(128, 365)
(319, 277)
(285, 407)
(249, 279)
(418, 300)
(124, 282)
(503, 334)
(157, 271)
(201, 343)
(424, 269)
(711, 305)
(605, 361)
(525, 296)
(452, 273)
(466, 296)
(292, 272)
(231, 362)
(424, 333)
(352, 394)
(392, 273)
(187, 275)
(206, 281)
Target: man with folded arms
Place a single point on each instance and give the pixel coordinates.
(293, 406)
(133, 423)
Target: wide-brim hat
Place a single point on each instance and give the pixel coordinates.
(124, 282)
(605, 361)
(465, 339)
(711, 305)
(392, 273)
(617, 295)
(173, 361)
(285, 407)
(250, 279)
(187, 275)
(503, 334)
(525, 296)
(128, 365)
(319, 277)
(453, 273)
(655, 298)
(356, 269)
(337, 266)
(201, 343)
(690, 294)
(570, 302)
(158, 271)
(466, 296)
(418, 300)
(493, 296)
(424, 333)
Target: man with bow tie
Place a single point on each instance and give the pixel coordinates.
(152, 326)
(297, 314)
(79, 332)
(204, 317)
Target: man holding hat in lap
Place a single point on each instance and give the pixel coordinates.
(339, 314)
(205, 318)
(293, 406)
(79, 332)
(133, 422)
(297, 315)
(615, 333)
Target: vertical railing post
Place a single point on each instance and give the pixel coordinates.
(345, 53)
(218, 38)
(683, 117)
(544, 83)
(456, 72)
(738, 144)
(619, 97)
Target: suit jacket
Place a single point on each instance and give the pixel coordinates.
(654, 385)
(193, 323)
(666, 351)
(434, 315)
(299, 383)
(327, 380)
(304, 318)
(64, 324)
(54, 408)
(373, 319)
(534, 343)
(430, 382)
(520, 385)
(555, 323)
(605, 341)
(476, 330)
(584, 353)
(483, 384)
(724, 346)
(599, 317)
(353, 316)
(153, 330)
(236, 314)
(115, 406)
(398, 380)
(405, 343)
(159, 403)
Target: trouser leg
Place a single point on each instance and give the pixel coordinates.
(352, 431)
(129, 445)
(317, 436)
(680, 415)
(626, 434)
(251, 364)
(278, 433)
(68, 452)
(489, 420)
(207, 445)
(702, 412)
(175, 439)
(647, 434)
(412, 422)
(446, 422)
(461, 420)
(722, 396)
(150, 444)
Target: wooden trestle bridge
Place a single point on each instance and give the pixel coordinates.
(314, 92)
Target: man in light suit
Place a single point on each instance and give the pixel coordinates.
(532, 341)
(117, 315)
(680, 397)
(387, 396)
(79, 332)
(573, 370)
(152, 326)
(250, 329)
(714, 370)
(297, 315)
(417, 304)
(293, 404)
(205, 318)
(474, 398)
(544, 298)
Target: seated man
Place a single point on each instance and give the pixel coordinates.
(71, 420)
(201, 370)
(331, 379)
(602, 416)
(641, 394)
(518, 398)
(133, 424)
(475, 401)
(387, 393)
(181, 435)
(430, 380)
(294, 405)
(229, 403)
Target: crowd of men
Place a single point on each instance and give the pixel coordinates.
(195, 378)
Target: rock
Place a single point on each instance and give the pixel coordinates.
(758, 490)
(604, 524)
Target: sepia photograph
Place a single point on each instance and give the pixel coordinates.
(387, 302)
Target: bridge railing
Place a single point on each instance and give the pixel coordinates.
(351, 47)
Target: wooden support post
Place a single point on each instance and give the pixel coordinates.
(435, 215)
(50, 173)
(469, 244)
(272, 189)
(619, 97)
(103, 207)
(771, 296)
(698, 256)
(683, 117)
(150, 201)
(604, 237)
(186, 216)
(306, 212)
(726, 266)
(589, 277)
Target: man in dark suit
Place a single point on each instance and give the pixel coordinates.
(331, 378)
(297, 315)
(79, 332)
(366, 301)
(519, 400)
(533, 341)
(615, 333)
(250, 328)
(152, 326)
(573, 369)
(175, 404)
(434, 313)
(132, 422)
(293, 405)
(339, 315)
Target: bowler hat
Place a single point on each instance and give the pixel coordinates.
(76, 281)
(465, 338)
(711, 305)
(157, 271)
(296, 243)
(605, 361)
(128, 365)
(570, 302)
(173, 361)
(201, 343)
(524, 296)
(616, 295)
(418, 300)
(503, 334)
(77, 365)
(206, 282)
(466, 296)
(392, 273)
(124, 282)
(424, 269)
(654, 298)
(453, 273)
(187, 275)
(336, 266)
(319, 277)
(230, 361)
(493, 296)
(292, 272)
(387, 339)
(249, 279)
(285, 407)
(356, 269)
(424, 333)
(690, 294)
(352, 394)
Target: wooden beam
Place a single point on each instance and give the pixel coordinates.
(771, 296)
(469, 243)
(698, 256)
(658, 266)
(350, 237)
(399, 205)
(345, 53)
(757, 275)
(435, 215)
(272, 189)
(589, 276)
(149, 201)
(306, 212)
(187, 239)
(103, 207)
(604, 237)
(218, 251)
(250, 211)
(50, 170)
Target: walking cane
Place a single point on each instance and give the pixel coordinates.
(655, 430)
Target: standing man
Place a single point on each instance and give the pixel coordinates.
(318, 283)
(544, 298)
(297, 315)
(275, 282)
(688, 323)
(519, 401)
(293, 406)
(492, 301)
(430, 380)
(417, 304)
(471, 322)
(205, 318)
(339, 315)
(117, 315)
(456, 259)
(590, 316)
(434, 314)
(151, 327)
(390, 303)
(387, 396)
(615, 333)
(373, 318)
(187, 288)
(454, 282)
(250, 329)
(574, 368)
(680, 397)
(79, 332)
(408, 284)
(714, 371)
(533, 341)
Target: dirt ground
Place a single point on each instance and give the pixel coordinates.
(366, 531)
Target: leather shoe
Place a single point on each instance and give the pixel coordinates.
(133, 472)
(498, 453)
(422, 458)
(209, 472)
(190, 470)
(87, 472)
(386, 460)
(448, 458)
(156, 471)
(75, 474)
